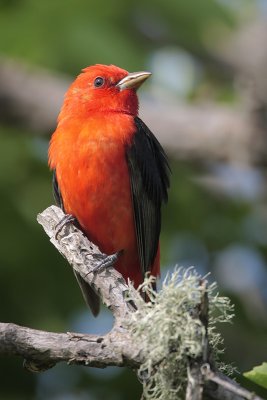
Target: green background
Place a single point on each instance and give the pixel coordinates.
(199, 226)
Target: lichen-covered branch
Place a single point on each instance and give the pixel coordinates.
(157, 339)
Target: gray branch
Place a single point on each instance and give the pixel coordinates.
(42, 350)
(84, 256)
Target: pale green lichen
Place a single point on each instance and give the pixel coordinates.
(169, 332)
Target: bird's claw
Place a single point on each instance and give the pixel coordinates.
(67, 219)
(108, 261)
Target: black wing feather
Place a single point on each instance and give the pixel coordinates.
(149, 176)
(56, 191)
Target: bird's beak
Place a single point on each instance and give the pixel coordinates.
(133, 80)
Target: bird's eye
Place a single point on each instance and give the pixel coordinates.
(99, 81)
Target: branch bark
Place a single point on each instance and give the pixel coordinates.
(42, 350)
(84, 256)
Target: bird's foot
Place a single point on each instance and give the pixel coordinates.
(108, 261)
(67, 219)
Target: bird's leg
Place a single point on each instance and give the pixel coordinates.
(108, 261)
(67, 219)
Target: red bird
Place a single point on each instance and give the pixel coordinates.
(110, 172)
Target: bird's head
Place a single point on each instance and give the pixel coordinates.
(104, 88)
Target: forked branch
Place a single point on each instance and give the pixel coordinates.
(42, 350)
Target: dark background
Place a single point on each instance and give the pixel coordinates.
(216, 218)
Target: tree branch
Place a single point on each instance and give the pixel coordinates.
(42, 350)
(45, 349)
(226, 388)
(84, 256)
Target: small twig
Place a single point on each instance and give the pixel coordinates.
(195, 384)
(204, 318)
(195, 381)
(225, 383)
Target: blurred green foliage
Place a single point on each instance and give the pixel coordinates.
(37, 288)
(68, 35)
(258, 374)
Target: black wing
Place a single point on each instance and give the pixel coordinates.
(149, 176)
(90, 296)
(56, 191)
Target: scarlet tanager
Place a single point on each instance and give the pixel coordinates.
(110, 172)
